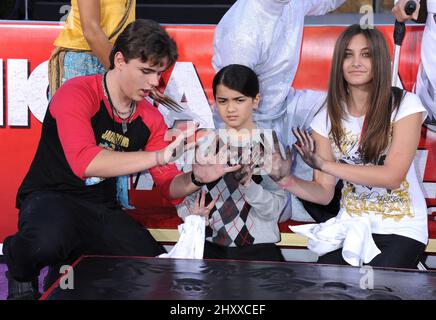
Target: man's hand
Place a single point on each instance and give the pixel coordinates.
(212, 165)
(399, 13)
(252, 164)
(306, 148)
(184, 141)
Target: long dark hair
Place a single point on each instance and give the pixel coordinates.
(384, 99)
(239, 78)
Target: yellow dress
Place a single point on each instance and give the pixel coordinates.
(115, 15)
(111, 14)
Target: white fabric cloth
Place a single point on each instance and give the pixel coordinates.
(426, 79)
(402, 211)
(191, 240)
(353, 235)
(431, 6)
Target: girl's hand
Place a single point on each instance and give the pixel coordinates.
(307, 149)
(212, 165)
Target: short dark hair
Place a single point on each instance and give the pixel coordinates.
(239, 78)
(147, 40)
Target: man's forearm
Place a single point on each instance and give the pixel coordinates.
(181, 186)
(109, 163)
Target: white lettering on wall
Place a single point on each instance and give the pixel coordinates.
(17, 86)
(26, 93)
(36, 91)
(31, 93)
(429, 190)
(184, 84)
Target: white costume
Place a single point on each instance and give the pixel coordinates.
(426, 80)
(266, 36)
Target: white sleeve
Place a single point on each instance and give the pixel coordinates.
(411, 104)
(238, 35)
(228, 49)
(266, 204)
(431, 6)
(244, 33)
(320, 7)
(426, 79)
(321, 123)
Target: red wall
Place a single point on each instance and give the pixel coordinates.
(34, 43)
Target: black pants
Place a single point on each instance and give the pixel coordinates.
(396, 252)
(256, 252)
(56, 227)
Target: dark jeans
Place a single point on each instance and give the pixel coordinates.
(55, 227)
(396, 252)
(256, 252)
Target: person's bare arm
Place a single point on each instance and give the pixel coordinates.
(398, 160)
(389, 175)
(98, 41)
(322, 188)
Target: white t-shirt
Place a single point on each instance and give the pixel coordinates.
(402, 211)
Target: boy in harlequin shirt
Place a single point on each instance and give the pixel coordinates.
(243, 208)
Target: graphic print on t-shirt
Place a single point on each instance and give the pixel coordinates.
(113, 140)
(358, 200)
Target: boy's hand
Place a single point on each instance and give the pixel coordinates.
(212, 165)
(278, 167)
